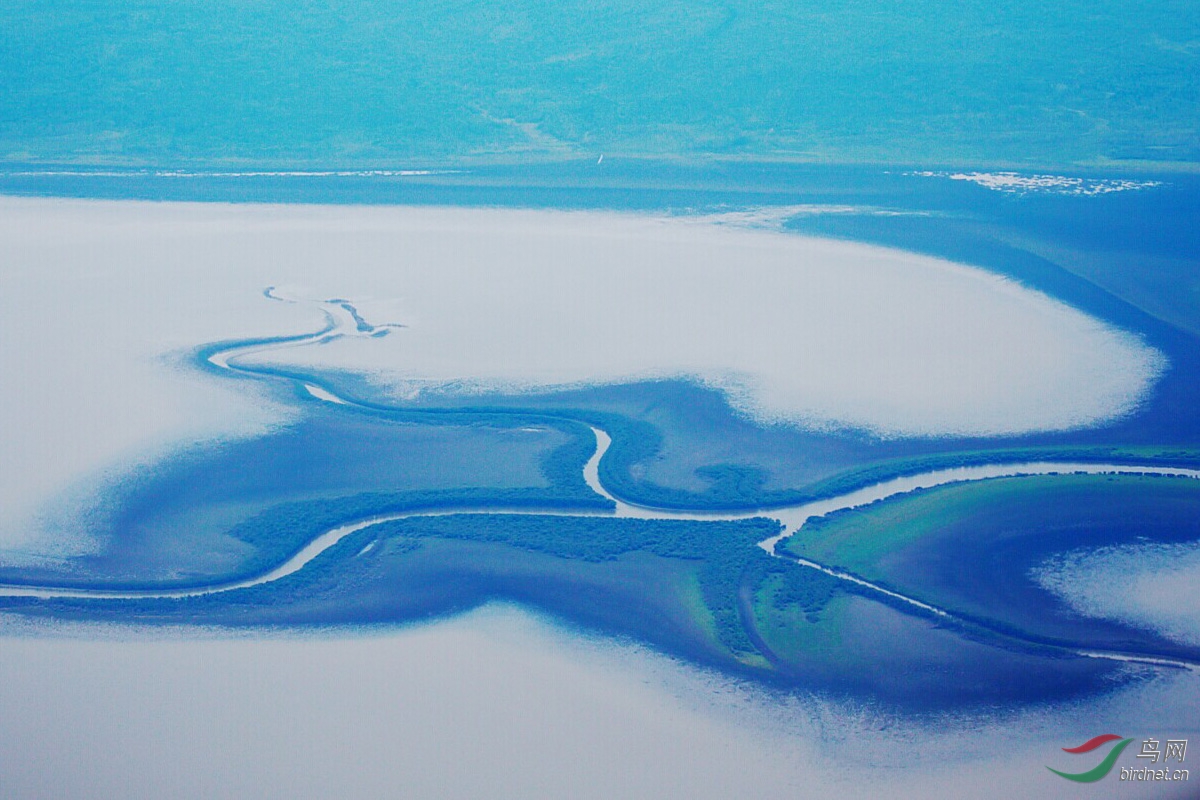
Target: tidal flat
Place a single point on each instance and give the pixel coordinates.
(373, 400)
(531, 707)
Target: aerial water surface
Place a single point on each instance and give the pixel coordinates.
(630, 400)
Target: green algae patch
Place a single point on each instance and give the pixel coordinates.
(795, 634)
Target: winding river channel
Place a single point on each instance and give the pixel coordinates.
(345, 322)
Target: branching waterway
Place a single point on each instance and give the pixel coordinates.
(344, 321)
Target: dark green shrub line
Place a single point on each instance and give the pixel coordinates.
(281, 531)
(727, 551)
(861, 477)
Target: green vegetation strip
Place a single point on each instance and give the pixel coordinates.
(726, 551)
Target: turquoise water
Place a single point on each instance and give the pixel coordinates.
(351, 82)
